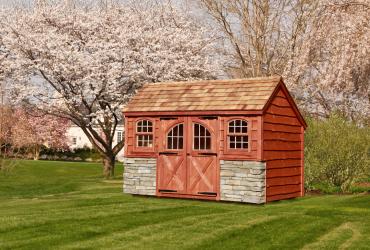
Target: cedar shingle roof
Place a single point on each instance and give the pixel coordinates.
(238, 94)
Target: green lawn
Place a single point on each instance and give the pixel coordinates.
(61, 205)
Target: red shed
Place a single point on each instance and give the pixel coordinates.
(233, 140)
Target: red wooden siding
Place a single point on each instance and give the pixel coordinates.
(282, 149)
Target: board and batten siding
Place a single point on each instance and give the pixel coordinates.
(282, 149)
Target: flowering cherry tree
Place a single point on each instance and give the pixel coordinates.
(6, 149)
(34, 129)
(84, 63)
(332, 70)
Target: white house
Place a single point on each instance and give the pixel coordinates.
(78, 139)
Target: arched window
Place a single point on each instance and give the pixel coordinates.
(237, 135)
(202, 137)
(175, 138)
(144, 133)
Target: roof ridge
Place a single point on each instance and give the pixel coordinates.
(241, 80)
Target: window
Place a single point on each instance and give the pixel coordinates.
(144, 134)
(202, 137)
(119, 136)
(238, 134)
(175, 138)
(74, 140)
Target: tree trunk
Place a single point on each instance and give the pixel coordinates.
(36, 156)
(109, 163)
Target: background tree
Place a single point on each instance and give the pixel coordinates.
(6, 118)
(320, 47)
(332, 71)
(86, 63)
(6, 148)
(32, 130)
(261, 36)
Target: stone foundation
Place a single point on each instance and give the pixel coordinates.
(139, 176)
(243, 181)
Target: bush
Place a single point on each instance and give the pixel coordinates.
(336, 153)
(78, 154)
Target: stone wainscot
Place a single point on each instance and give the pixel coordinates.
(243, 181)
(139, 176)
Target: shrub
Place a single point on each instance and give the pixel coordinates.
(336, 153)
(78, 154)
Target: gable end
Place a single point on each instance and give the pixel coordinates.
(281, 87)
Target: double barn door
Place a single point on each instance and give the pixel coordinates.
(188, 161)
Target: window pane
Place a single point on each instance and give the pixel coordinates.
(202, 137)
(144, 126)
(119, 136)
(231, 126)
(181, 130)
(175, 145)
(175, 131)
(236, 129)
(202, 131)
(180, 143)
(238, 141)
(202, 143)
(244, 129)
(196, 143)
(238, 126)
(144, 140)
(208, 143)
(196, 130)
(150, 142)
(169, 143)
(175, 137)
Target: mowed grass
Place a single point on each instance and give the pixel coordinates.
(61, 205)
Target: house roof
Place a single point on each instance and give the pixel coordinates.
(210, 95)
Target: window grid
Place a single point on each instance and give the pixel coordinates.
(144, 126)
(144, 140)
(144, 134)
(119, 136)
(175, 138)
(238, 134)
(202, 138)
